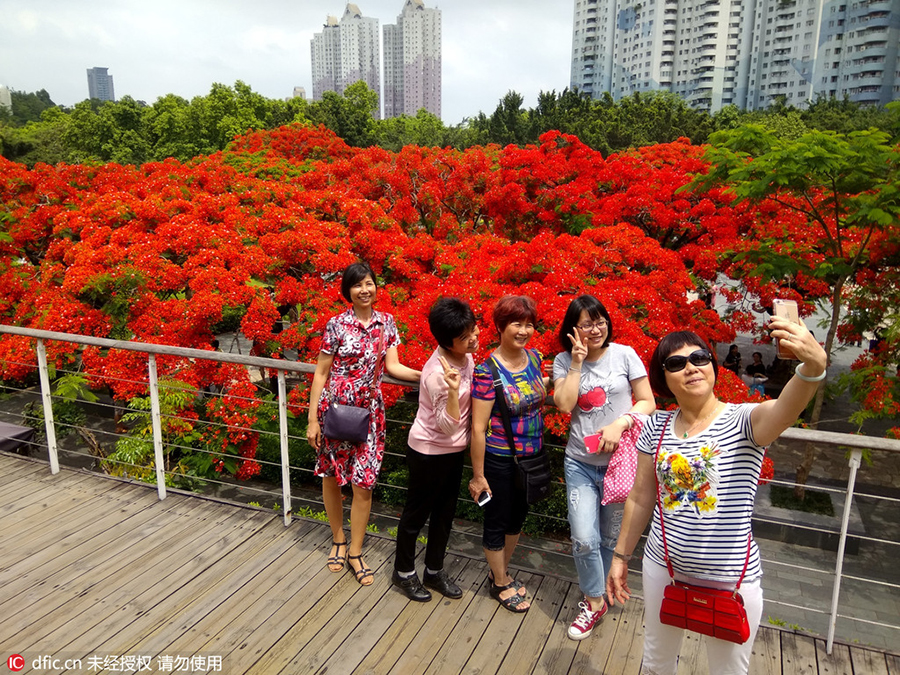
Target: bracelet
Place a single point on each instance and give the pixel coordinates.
(577, 370)
(622, 556)
(806, 378)
(629, 419)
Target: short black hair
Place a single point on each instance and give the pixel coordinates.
(449, 319)
(595, 310)
(671, 343)
(353, 275)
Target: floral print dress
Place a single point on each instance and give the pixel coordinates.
(357, 358)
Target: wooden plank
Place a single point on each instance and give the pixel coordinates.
(316, 635)
(157, 572)
(454, 653)
(868, 662)
(766, 656)
(692, 658)
(33, 507)
(836, 663)
(798, 654)
(627, 649)
(67, 600)
(496, 639)
(66, 517)
(893, 664)
(217, 599)
(311, 594)
(559, 651)
(236, 621)
(148, 603)
(30, 492)
(417, 633)
(12, 471)
(381, 630)
(355, 617)
(63, 562)
(530, 640)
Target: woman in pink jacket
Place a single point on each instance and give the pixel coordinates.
(437, 442)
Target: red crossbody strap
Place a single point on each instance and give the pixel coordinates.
(662, 521)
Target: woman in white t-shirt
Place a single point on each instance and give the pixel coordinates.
(705, 472)
(595, 379)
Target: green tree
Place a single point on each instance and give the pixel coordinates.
(846, 187)
(350, 116)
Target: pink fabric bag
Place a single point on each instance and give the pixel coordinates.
(622, 467)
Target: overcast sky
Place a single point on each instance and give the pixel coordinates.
(183, 46)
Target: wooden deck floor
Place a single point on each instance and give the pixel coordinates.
(93, 568)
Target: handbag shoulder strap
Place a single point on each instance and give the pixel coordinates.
(662, 522)
(501, 404)
(379, 367)
(380, 361)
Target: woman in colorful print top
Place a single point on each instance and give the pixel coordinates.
(705, 471)
(352, 349)
(492, 459)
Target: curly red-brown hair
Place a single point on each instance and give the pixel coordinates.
(511, 308)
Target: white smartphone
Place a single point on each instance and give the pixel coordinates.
(484, 498)
(785, 309)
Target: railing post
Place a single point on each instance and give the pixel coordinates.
(855, 457)
(47, 400)
(285, 458)
(156, 421)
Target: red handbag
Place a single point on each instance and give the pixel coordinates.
(708, 611)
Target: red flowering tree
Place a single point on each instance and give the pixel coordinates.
(172, 252)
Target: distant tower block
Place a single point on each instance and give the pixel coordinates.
(100, 84)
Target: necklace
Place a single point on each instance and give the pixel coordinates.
(700, 422)
(513, 366)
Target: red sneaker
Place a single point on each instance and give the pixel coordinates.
(584, 623)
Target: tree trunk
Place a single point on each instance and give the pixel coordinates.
(810, 451)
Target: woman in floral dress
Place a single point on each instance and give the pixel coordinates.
(348, 372)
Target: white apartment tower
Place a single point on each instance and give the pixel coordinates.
(5, 97)
(326, 59)
(345, 52)
(412, 61)
(751, 53)
(100, 84)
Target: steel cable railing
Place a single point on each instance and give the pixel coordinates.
(163, 448)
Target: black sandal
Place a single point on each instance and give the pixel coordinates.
(518, 585)
(512, 602)
(337, 558)
(363, 572)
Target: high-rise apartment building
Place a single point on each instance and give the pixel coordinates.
(100, 84)
(749, 53)
(5, 97)
(345, 52)
(412, 61)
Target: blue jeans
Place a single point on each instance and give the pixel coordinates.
(594, 528)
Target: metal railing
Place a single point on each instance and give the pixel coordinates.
(855, 443)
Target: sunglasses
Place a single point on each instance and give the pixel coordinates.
(674, 364)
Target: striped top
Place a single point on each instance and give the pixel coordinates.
(707, 486)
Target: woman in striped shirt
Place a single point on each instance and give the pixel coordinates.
(699, 465)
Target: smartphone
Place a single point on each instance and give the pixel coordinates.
(592, 443)
(785, 309)
(484, 498)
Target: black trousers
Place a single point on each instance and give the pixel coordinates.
(432, 496)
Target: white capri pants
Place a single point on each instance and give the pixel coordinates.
(663, 643)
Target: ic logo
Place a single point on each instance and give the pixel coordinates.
(15, 662)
